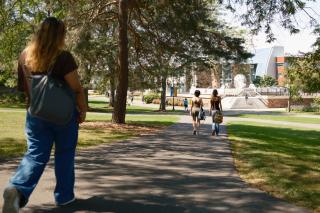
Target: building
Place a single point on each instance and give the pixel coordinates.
(265, 62)
(280, 70)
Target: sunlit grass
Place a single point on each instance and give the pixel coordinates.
(282, 161)
(12, 139)
(96, 130)
(286, 118)
(103, 106)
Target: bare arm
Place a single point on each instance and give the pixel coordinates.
(23, 82)
(220, 104)
(73, 81)
(191, 105)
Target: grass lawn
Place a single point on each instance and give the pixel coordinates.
(102, 106)
(286, 118)
(94, 106)
(12, 106)
(308, 113)
(282, 161)
(96, 130)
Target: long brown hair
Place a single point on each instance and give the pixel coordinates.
(45, 44)
(214, 94)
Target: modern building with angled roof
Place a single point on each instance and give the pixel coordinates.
(263, 63)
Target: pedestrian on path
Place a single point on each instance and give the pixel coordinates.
(185, 104)
(196, 105)
(44, 51)
(215, 110)
(131, 99)
(246, 98)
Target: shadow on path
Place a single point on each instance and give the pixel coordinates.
(99, 204)
(174, 171)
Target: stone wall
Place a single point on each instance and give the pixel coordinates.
(282, 102)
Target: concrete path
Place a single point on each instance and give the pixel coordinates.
(171, 172)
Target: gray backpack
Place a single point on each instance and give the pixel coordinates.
(50, 98)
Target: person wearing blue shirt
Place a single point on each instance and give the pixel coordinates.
(185, 104)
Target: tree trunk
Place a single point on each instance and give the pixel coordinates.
(163, 93)
(119, 112)
(112, 90)
(289, 101)
(86, 93)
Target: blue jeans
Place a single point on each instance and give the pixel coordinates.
(215, 126)
(40, 138)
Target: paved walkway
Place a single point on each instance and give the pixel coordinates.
(171, 172)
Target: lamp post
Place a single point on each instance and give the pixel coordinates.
(172, 93)
(288, 87)
(173, 97)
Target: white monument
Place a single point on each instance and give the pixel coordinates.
(240, 81)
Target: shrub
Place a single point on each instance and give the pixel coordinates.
(177, 101)
(315, 107)
(156, 101)
(316, 101)
(316, 104)
(150, 97)
(12, 98)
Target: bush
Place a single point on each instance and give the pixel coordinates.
(156, 101)
(177, 101)
(265, 81)
(12, 98)
(316, 104)
(150, 97)
(316, 101)
(315, 107)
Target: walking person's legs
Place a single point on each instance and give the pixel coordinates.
(194, 122)
(65, 145)
(198, 125)
(213, 123)
(23, 182)
(217, 128)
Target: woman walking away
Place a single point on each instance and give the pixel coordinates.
(216, 108)
(44, 56)
(196, 105)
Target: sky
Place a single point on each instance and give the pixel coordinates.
(293, 44)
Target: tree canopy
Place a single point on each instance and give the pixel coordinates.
(160, 38)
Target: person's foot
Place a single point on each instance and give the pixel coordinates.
(213, 132)
(194, 132)
(66, 203)
(197, 132)
(11, 200)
